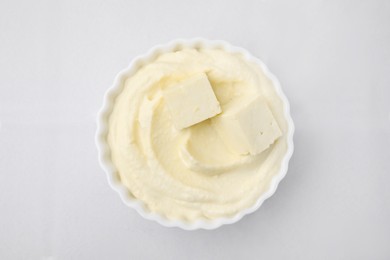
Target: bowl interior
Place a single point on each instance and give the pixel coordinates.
(105, 154)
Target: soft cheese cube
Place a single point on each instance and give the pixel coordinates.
(247, 126)
(191, 101)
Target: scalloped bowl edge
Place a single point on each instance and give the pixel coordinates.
(104, 150)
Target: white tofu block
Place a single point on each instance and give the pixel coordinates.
(247, 126)
(191, 101)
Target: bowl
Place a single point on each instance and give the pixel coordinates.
(104, 149)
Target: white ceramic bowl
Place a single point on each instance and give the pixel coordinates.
(104, 149)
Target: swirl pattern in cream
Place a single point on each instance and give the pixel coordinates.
(189, 174)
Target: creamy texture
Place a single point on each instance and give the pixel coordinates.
(190, 174)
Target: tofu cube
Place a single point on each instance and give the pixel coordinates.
(191, 101)
(247, 126)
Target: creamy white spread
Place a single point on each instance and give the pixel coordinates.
(190, 174)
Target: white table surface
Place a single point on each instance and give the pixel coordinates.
(57, 58)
